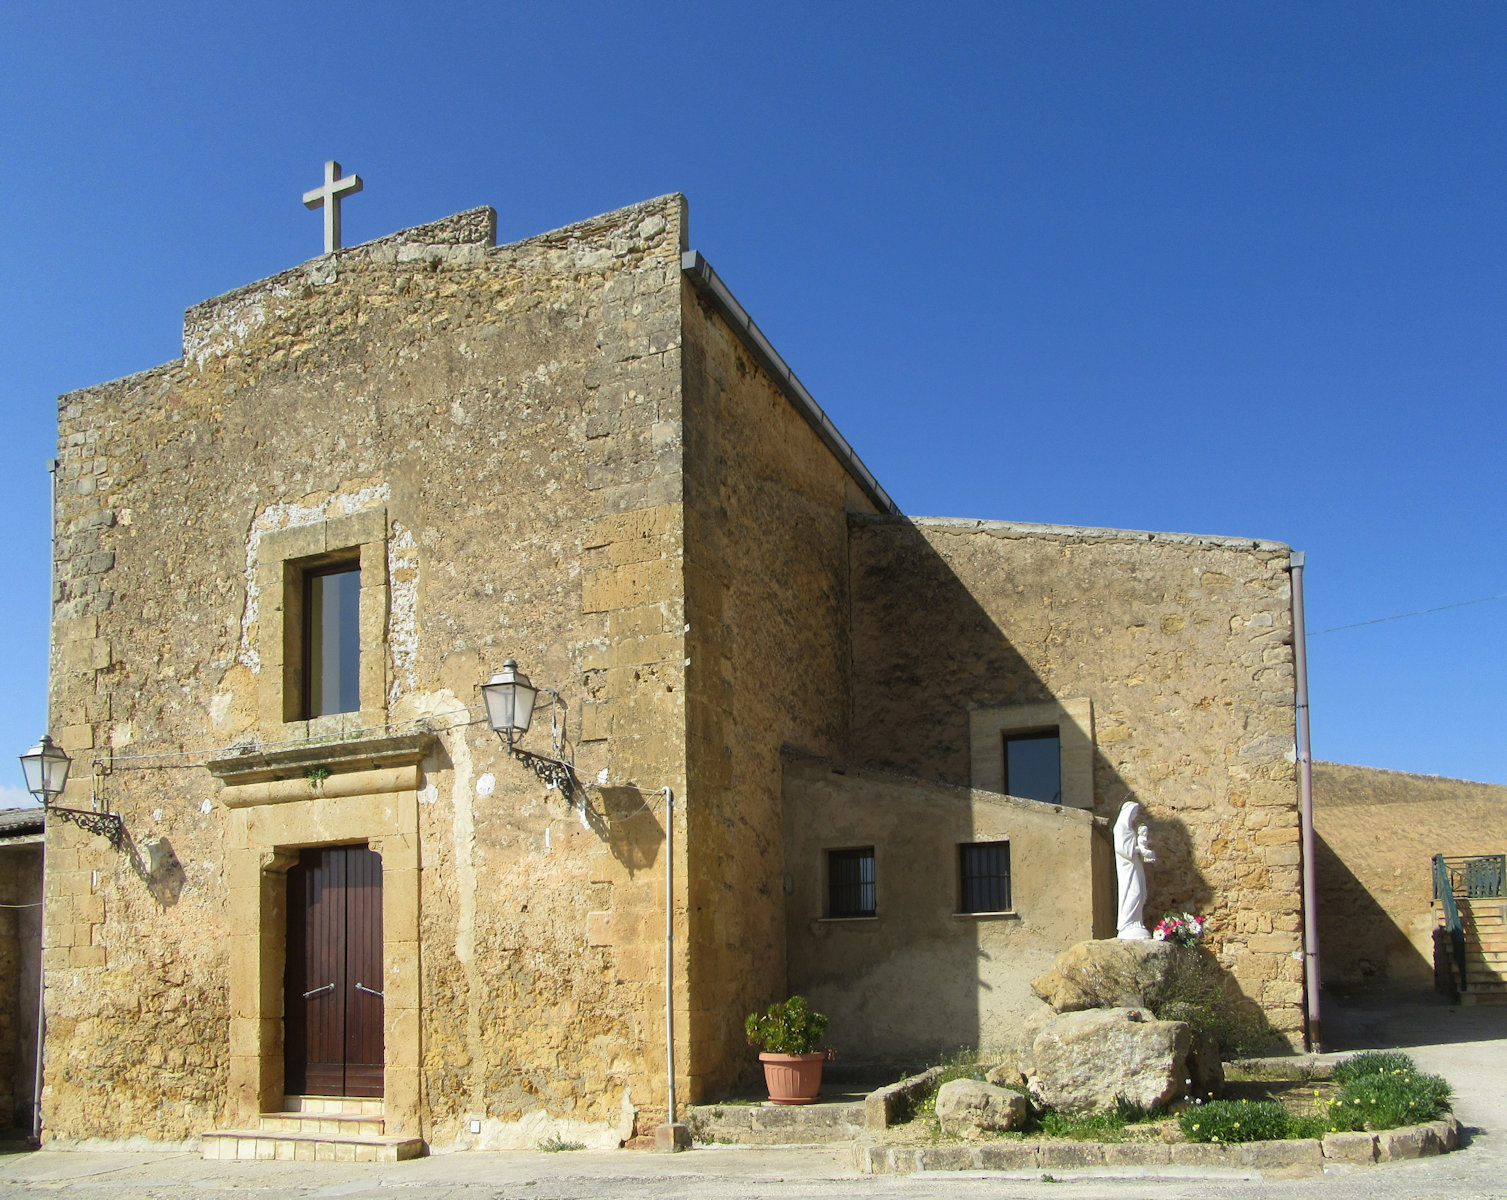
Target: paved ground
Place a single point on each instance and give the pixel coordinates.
(1468, 1046)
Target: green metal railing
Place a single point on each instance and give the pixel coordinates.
(1474, 877)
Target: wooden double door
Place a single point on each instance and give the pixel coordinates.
(332, 1001)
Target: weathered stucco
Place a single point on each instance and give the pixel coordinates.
(1181, 644)
(920, 979)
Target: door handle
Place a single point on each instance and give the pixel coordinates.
(361, 987)
(329, 987)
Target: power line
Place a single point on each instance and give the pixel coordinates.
(1417, 613)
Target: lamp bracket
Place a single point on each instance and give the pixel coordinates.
(552, 771)
(107, 825)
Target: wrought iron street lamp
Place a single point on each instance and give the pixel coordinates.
(45, 766)
(509, 697)
(46, 769)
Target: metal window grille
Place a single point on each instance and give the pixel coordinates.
(984, 869)
(850, 882)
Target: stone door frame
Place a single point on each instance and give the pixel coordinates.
(268, 826)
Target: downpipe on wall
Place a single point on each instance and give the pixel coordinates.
(52, 586)
(1313, 1036)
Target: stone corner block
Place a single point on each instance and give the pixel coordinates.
(1350, 1147)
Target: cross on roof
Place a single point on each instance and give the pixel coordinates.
(329, 195)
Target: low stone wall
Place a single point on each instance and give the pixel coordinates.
(1299, 1156)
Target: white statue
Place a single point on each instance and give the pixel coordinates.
(1132, 852)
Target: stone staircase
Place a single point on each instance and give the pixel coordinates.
(1485, 924)
(835, 1118)
(315, 1129)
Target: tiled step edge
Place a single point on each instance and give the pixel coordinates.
(339, 1124)
(247, 1145)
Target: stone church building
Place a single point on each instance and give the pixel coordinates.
(875, 754)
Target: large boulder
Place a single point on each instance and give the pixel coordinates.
(1109, 974)
(1087, 1061)
(967, 1108)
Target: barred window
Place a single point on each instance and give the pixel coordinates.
(984, 876)
(850, 882)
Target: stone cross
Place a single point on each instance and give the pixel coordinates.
(329, 196)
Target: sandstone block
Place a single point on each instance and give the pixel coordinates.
(1088, 1061)
(1411, 1141)
(967, 1108)
(1105, 974)
(1350, 1147)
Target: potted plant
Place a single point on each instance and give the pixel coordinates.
(789, 1036)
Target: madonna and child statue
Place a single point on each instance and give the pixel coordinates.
(1132, 853)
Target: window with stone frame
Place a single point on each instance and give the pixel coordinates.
(1033, 765)
(330, 632)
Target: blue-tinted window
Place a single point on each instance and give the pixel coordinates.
(332, 641)
(1033, 766)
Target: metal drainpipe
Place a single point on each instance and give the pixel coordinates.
(1314, 1037)
(52, 583)
(670, 949)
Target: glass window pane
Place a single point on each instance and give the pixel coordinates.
(850, 883)
(1033, 767)
(332, 657)
(984, 869)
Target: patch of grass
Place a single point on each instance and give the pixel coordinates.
(1374, 1062)
(1228, 1121)
(1385, 1101)
(1091, 1127)
(554, 1145)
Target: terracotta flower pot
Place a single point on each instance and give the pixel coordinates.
(793, 1078)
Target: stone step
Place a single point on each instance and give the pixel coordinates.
(372, 1106)
(246, 1145)
(766, 1124)
(346, 1124)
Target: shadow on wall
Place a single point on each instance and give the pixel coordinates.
(1359, 942)
(925, 651)
(624, 818)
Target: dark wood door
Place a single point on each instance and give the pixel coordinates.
(332, 1002)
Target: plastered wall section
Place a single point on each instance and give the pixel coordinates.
(920, 978)
(1181, 646)
(501, 423)
(1377, 833)
(766, 607)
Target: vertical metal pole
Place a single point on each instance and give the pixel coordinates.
(670, 948)
(52, 584)
(1305, 811)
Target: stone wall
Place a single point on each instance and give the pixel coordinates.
(501, 423)
(768, 647)
(1181, 647)
(1377, 832)
(20, 953)
(920, 978)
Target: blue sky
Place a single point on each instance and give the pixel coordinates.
(1227, 268)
